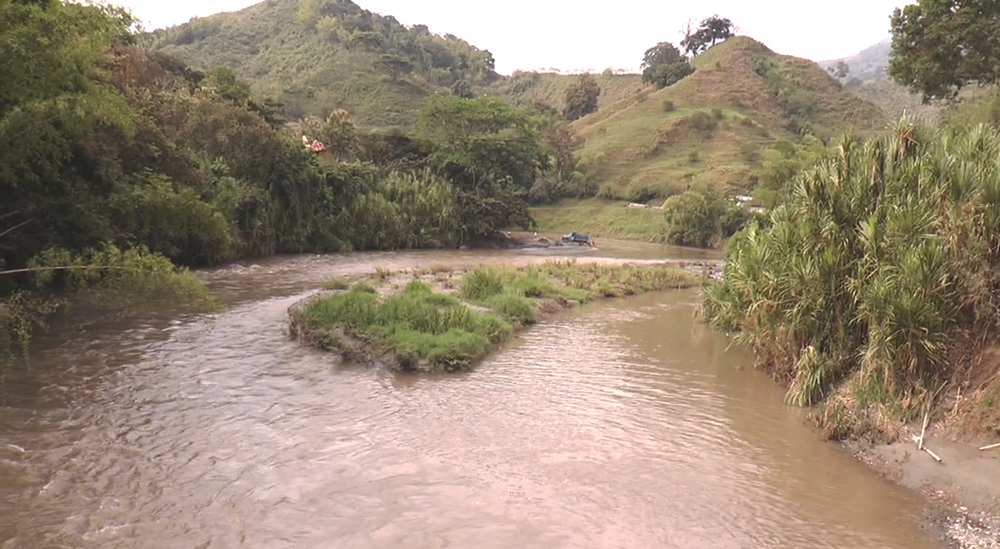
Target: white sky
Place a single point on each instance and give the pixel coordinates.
(539, 34)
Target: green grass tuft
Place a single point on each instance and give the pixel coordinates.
(424, 330)
(415, 325)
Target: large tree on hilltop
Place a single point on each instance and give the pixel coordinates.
(940, 46)
(664, 64)
(664, 53)
(711, 30)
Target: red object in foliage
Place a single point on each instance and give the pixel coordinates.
(317, 146)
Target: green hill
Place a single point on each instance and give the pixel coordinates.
(866, 77)
(531, 89)
(709, 127)
(319, 55)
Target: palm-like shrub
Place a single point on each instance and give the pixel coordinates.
(865, 277)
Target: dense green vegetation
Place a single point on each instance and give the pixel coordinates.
(664, 65)
(119, 163)
(414, 325)
(882, 259)
(871, 285)
(417, 328)
(318, 55)
(940, 46)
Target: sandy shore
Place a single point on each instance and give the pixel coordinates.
(963, 488)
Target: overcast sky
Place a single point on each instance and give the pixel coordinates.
(538, 34)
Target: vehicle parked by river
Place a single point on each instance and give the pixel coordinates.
(578, 239)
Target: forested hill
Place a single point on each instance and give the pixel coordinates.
(317, 55)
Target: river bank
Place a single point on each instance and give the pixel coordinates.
(962, 489)
(442, 319)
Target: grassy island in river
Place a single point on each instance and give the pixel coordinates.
(445, 320)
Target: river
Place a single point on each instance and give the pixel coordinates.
(621, 424)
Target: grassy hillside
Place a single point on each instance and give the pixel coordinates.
(530, 89)
(319, 55)
(709, 127)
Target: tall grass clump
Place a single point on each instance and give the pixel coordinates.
(421, 330)
(860, 284)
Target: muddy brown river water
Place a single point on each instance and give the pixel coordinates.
(622, 424)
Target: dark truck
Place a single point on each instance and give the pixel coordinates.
(578, 239)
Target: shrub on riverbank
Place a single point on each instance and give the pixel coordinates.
(860, 285)
(414, 328)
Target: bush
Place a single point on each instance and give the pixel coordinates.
(701, 121)
(668, 106)
(864, 279)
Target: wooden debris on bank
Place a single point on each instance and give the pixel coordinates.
(923, 430)
(920, 440)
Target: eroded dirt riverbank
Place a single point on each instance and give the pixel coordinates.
(963, 489)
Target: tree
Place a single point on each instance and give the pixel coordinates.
(340, 135)
(664, 65)
(366, 40)
(329, 28)
(840, 70)
(309, 12)
(223, 80)
(563, 178)
(562, 143)
(394, 65)
(491, 151)
(663, 53)
(462, 89)
(581, 97)
(668, 75)
(717, 29)
(711, 30)
(940, 46)
(688, 29)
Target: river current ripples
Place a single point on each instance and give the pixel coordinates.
(623, 424)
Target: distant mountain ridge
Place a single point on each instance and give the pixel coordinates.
(867, 65)
(868, 79)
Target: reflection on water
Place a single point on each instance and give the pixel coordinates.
(621, 424)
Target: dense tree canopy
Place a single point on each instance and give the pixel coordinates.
(664, 65)
(581, 98)
(940, 46)
(491, 151)
(393, 65)
(663, 53)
